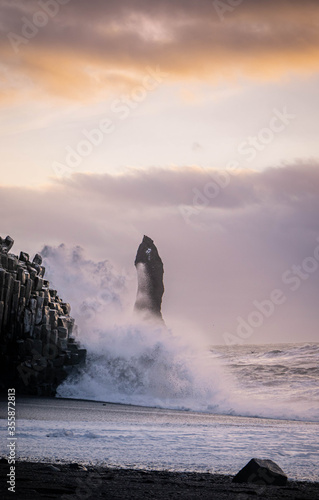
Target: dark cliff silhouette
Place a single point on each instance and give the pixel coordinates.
(150, 272)
(38, 337)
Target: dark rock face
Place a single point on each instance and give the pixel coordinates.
(258, 471)
(150, 272)
(6, 244)
(38, 346)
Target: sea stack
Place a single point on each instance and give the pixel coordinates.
(150, 270)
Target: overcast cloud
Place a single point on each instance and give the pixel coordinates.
(219, 256)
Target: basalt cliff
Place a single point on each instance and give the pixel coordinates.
(38, 337)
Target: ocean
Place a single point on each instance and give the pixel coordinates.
(180, 410)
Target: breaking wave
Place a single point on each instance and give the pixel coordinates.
(148, 364)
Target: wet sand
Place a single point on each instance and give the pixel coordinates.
(72, 481)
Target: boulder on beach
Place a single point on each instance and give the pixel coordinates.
(259, 471)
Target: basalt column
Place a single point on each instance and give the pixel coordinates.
(149, 267)
(38, 337)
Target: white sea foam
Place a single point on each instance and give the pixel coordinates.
(124, 436)
(147, 364)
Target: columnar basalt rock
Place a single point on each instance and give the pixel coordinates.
(38, 345)
(150, 272)
(6, 244)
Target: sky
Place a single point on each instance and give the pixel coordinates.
(193, 122)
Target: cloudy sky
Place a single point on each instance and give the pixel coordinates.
(194, 122)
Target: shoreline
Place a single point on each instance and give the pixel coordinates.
(36, 480)
(3, 399)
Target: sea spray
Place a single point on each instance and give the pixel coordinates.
(129, 361)
(94, 289)
(145, 364)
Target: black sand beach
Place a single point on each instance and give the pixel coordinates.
(72, 481)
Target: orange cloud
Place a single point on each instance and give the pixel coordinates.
(86, 51)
